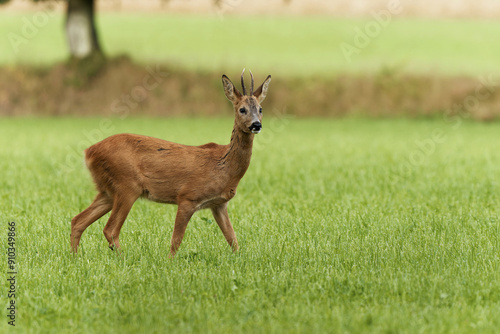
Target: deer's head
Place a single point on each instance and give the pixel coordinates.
(248, 112)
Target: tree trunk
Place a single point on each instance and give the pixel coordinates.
(80, 29)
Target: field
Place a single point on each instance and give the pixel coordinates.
(287, 46)
(349, 226)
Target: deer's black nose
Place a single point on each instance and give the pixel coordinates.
(256, 127)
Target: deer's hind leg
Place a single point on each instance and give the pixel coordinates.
(101, 205)
(121, 208)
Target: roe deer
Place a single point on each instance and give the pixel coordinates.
(127, 166)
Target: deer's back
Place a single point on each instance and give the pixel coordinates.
(157, 169)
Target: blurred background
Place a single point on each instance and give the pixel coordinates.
(328, 58)
(371, 202)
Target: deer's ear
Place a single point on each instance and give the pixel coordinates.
(261, 92)
(231, 92)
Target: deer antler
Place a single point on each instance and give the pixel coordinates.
(243, 83)
(251, 90)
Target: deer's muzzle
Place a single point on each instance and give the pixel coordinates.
(256, 127)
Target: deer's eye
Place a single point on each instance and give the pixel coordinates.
(260, 110)
(243, 111)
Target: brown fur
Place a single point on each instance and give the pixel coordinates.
(127, 166)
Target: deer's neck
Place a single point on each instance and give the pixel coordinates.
(236, 158)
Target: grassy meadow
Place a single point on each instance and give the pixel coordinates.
(287, 46)
(345, 226)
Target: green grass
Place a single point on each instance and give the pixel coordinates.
(339, 232)
(299, 46)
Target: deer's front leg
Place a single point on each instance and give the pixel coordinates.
(222, 219)
(184, 213)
